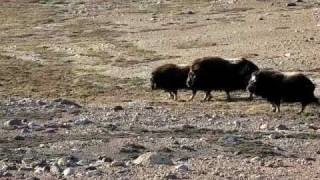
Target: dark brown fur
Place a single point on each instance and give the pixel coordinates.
(276, 87)
(215, 73)
(171, 78)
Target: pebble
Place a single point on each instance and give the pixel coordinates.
(12, 124)
(118, 164)
(83, 121)
(275, 136)
(55, 170)
(93, 173)
(152, 158)
(182, 167)
(68, 172)
(118, 108)
(19, 138)
(170, 176)
(264, 126)
(291, 4)
(281, 127)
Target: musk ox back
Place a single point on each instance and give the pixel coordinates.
(215, 73)
(276, 87)
(171, 78)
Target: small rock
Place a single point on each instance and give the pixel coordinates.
(291, 4)
(105, 159)
(132, 148)
(19, 138)
(281, 127)
(93, 173)
(287, 54)
(275, 136)
(40, 170)
(190, 12)
(50, 130)
(12, 124)
(67, 102)
(255, 159)
(42, 145)
(118, 108)
(264, 126)
(170, 176)
(118, 164)
(230, 140)
(82, 162)
(62, 162)
(151, 158)
(68, 172)
(83, 121)
(182, 167)
(55, 170)
(237, 124)
(5, 174)
(35, 126)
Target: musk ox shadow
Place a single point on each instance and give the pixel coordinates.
(278, 87)
(215, 73)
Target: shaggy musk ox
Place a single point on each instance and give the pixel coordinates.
(276, 87)
(171, 78)
(215, 73)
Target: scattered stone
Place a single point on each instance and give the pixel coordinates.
(118, 164)
(35, 126)
(287, 54)
(83, 121)
(230, 140)
(55, 170)
(132, 148)
(182, 167)
(50, 130)
(93, 173)
(152, 158)
(170, 176)
(40, 170)
(42, 146)
(19, 138)
(255, 159)
(281, 127)
(264, 126)
(68, 172)
(12, 124)
(118, 108)
(67, 102)
(190, 12)
(237, 124)
(82, 162)
(275, 136)
(105, 159)
(62, 162)
(291, 4)
(5, 174)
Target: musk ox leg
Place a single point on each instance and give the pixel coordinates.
(175, 95)
(228, 96)
(208, 96)
(171, 95)
(303, 106)
(194, 92)
(250, 97)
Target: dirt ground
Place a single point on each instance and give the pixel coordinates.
(55, 54)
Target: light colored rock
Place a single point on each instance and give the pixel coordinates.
(68, 172)
(117, 164)
(12, 124)
(182, 167)
(83, 121)
(153, 158)
(55, 170)
(264, 126)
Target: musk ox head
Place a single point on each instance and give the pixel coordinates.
(193, 74)
(246, 68)
(253, 82)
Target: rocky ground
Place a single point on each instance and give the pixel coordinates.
(76, 102)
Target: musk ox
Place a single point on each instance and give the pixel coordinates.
(170, 78)
(276, 87)
(215, 73)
